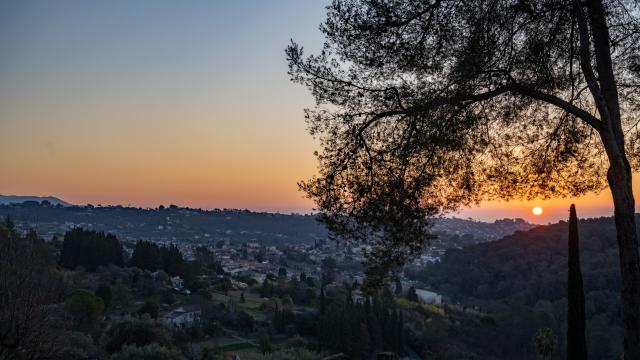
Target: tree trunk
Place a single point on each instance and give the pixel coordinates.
(619, 178)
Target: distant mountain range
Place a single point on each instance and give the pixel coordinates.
(186, 225)
(17, 199)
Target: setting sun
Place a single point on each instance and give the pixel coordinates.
(537, 210)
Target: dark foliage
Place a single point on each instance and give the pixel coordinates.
(85, 307)
(149, 256)
(90, 249)
(134, 332)
(31, 325)
(529, 271)
(150, 308)
(361, 329)
(104, 292)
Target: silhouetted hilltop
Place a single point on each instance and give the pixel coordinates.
(17, 199)
(177, 224)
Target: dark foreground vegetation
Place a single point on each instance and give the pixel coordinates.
(90, 296)
(86, 297)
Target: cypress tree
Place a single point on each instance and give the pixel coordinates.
(400, 349)
(322, 300)
(576, 342)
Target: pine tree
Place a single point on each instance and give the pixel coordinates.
(277, 319)
(147, 256)
(322, 301)
(576, 342)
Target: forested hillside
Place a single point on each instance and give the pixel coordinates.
(525, 276)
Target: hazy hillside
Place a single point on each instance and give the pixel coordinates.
(174, 224)
(16, 199)
(529, 269)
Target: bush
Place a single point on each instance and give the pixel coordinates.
(167, 297)
(150, 307)
(139, 332)
(85, 307)
(290, 354)
(104, 292)
(147, 352)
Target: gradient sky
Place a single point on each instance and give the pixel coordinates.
(158, 102)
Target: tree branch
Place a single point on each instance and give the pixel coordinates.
(585, 58)
(560, 103)
(473, 98)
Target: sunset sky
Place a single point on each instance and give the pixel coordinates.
(157, 102)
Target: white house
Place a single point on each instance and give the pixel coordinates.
(181, 317)
(429, 297)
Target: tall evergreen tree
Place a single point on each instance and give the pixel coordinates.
(576, 342)
(147, 256)
(90, 249)
(400, 348)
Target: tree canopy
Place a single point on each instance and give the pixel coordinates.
(90, 249)
(426, 106)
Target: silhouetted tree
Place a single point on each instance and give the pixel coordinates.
(426, 106)
(172, 260)
(206, 257)
(576, 323)
(147, 256)
(85, 307)
(151, 308)
(282, 273)
(30, 286)
(90, 249)
(104, 292)
(266, 290)
(328, 270)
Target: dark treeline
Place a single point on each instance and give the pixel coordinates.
(90, 249)
(361, 329)
(47, 313)
(150, 256)
(176, 222)
(30, 289)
